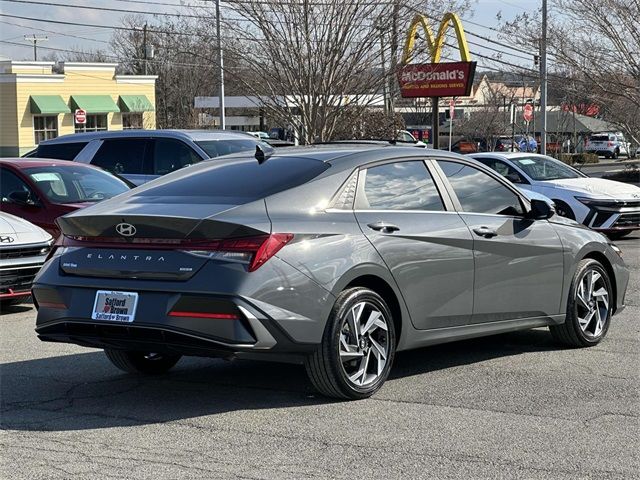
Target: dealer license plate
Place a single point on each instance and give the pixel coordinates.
(115, 306)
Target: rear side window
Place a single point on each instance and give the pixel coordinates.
(236, 181)
(399, 186)
(59, 151)
(170, 155)
(215, 148)
(479, 192)
(122, 156)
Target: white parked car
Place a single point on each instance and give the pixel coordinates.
(611, 145)
(605, 205)
(260, 135)
(23, 249)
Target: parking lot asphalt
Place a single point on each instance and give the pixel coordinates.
(508, 406)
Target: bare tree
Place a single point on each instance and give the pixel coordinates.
(594, 44)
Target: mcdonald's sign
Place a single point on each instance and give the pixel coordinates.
(436, 79)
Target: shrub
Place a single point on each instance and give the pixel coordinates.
(578, 158)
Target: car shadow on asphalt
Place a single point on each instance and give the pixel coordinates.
(84, 391)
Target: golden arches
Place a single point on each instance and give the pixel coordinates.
(436, 44)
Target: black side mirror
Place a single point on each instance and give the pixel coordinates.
(540, 210)
(22, 197)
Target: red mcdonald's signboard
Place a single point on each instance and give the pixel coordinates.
(437, 79)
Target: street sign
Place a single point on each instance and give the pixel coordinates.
(80, 116)
(527, 112)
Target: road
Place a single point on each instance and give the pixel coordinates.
(596, 170)
(509, 406)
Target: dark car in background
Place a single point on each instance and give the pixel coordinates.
(40, 191)
(335, 257)
(142, 155)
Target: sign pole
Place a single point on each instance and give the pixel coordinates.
(452, 104)
(435, 122)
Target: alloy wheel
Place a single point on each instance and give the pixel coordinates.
(592, 301)
(364, 344)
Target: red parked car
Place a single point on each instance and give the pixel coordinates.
(42, 190)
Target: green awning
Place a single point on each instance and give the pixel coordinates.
(135, 103)
(47, 104)
(94, 103)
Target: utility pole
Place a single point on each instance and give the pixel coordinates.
(543, 81)
(384, 73)
(395, 17)
(35, 39)
(144, 46)
(220, 69)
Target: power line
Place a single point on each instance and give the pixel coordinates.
(13, 24)
(104, 9)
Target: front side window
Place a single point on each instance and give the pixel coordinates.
(170, 155)
(479, 192)
(95, 123)
(132, 121)
(45, 128)
(75, 183)
(13, 187)
(399, 186)
(122, 156)
(503, 169)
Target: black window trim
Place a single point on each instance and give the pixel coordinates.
(526, 204)
(448, 205)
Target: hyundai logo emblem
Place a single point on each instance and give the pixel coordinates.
(126, 229)
(7, 239)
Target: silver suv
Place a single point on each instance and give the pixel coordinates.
(142, 155)
(611, 145)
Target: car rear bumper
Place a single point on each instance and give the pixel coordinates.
(219, 312)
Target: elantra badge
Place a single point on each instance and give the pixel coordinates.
(126, 229)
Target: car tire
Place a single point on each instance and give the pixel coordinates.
(142, 362)
(354, 366)
(564, 210)
(615, 154)
(588, 309)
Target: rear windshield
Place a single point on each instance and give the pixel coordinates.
(216, 148)
(59, 151)
(235, 181)
(599, 138)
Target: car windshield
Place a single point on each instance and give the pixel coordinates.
(215, 148)
(599, 138)
(75, 184)
(545, 168)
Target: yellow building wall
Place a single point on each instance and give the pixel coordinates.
(8, 120)
(84, 82)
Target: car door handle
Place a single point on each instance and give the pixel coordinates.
(485, 232)
(383, 227)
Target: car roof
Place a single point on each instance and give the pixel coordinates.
(193, 135)
(21, 163)
(505, 155)
(349, 155)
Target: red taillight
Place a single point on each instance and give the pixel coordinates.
(216, 316)
(610, 144)
(269, 248)
(254, 251)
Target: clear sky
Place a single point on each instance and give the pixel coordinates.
(73, 37)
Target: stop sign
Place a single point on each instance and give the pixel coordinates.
(81, 116)
(528, 112)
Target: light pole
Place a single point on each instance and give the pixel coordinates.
(543, 81)
(220, 69)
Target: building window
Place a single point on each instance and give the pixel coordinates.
(132, 120)
(45, 127)
(95, 123)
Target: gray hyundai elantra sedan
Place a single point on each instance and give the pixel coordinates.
(336, 257)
